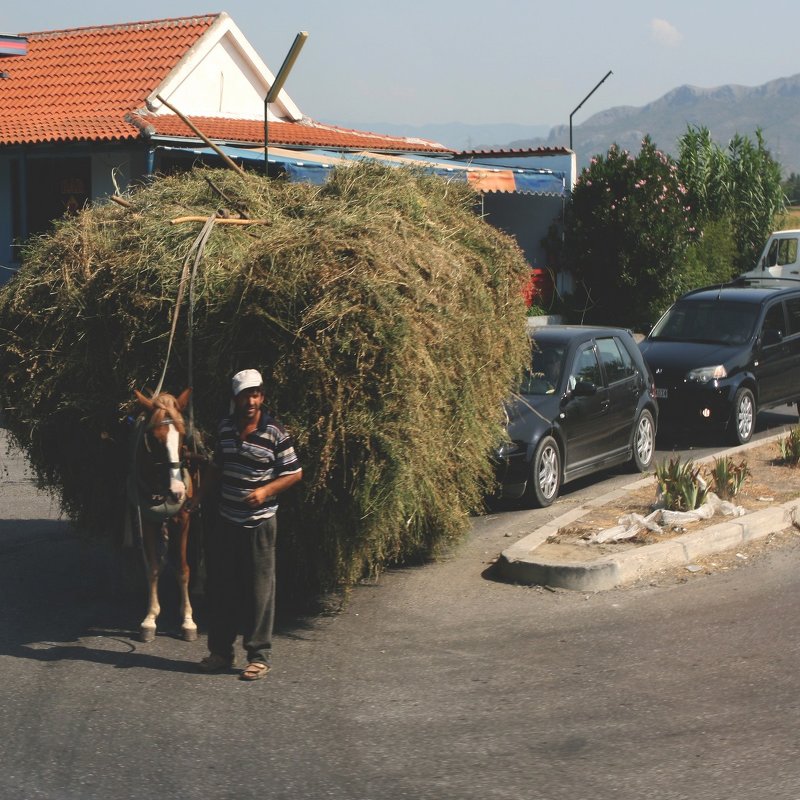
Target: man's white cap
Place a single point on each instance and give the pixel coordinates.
(246, 379)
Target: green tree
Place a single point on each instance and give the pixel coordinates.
(704, 169)
(758, 197)
(628, 227)
(740, 185)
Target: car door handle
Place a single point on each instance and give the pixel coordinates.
(605, 404)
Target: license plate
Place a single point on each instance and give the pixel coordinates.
(661, 394)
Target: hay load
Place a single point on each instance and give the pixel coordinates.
(384, 314)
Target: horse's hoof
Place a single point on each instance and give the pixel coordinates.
(189, 634)
(147, 634)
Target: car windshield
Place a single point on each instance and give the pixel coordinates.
(712, 321)
(547, 364)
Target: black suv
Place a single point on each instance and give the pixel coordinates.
(584, 404)
(722, 353)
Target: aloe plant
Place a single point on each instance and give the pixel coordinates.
(681, 485)
(728, 478)
(790, 446)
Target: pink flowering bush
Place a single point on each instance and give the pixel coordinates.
(628, 228)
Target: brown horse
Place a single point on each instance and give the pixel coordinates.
(158, 487)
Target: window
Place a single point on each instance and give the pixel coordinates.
(616, 359)
(787, 252)
(774, 320)
(793, 309)
(782, 252)
(719, 322)
(586, 368)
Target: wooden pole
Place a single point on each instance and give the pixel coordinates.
(232, 164)
(220, 220)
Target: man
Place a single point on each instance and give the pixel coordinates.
(253, 463)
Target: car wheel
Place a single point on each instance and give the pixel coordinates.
(743, 420)
(644, 441)
(545, 478)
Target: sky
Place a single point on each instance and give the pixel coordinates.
(506, 61)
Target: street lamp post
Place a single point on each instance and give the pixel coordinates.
(581, 103)
(277, 85)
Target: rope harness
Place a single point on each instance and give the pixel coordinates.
(143, 504)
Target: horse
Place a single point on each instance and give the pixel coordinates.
(158, 487)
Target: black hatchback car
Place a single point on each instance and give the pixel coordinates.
(720, 354)
(586, 403)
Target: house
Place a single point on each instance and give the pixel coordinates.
(82, 118)
(89, 111)
(531, 217)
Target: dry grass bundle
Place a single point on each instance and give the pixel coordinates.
(386, 316)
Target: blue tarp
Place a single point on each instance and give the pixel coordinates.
(317, 165)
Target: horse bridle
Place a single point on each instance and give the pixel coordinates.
(149, 427)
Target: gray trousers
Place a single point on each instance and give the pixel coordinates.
(240, 565)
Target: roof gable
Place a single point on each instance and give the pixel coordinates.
(223, 76)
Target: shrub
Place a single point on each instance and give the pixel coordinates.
(680, 485)
(728, 478)
(627, 230)
(789, 447)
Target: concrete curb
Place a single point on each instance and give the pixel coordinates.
(520, 564)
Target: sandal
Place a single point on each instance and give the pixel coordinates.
(215, 663)
(254, 671)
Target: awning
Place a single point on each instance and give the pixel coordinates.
(13, 45)
(315, 166)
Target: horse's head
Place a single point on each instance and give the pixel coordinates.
(163, 437)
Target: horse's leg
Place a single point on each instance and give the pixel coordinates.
(182, 523)
(151, 566)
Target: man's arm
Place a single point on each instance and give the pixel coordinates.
(273, 488)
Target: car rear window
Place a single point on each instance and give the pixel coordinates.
(714, 321)
(616, 360)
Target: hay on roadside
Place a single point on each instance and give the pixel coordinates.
(385, 314)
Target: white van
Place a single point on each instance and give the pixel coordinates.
(780, 260)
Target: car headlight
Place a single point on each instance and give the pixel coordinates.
(706, 374)
(508, 449)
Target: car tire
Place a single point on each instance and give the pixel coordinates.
(545, 478)
(743, 417)
(644, 441)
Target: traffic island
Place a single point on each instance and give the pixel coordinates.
(542, 558)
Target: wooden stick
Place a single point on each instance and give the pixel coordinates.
(222, 194)
(121, 200)
(221, 221)
(233, 165)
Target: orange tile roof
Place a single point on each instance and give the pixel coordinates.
(90, 84)
(287, 134)
(79, 84)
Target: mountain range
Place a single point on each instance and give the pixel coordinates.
(774, 107)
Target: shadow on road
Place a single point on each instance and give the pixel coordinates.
(67, 598)
(63, 598)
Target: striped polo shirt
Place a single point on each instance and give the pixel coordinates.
(245, 464)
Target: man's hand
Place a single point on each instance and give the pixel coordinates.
(259, 496)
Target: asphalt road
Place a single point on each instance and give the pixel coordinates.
(436, 682)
